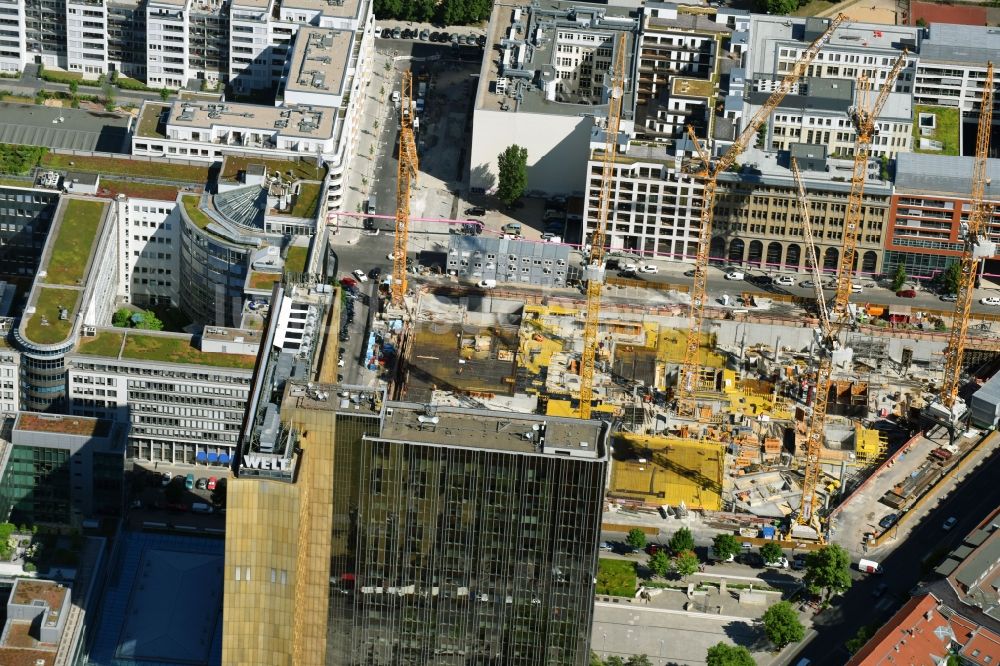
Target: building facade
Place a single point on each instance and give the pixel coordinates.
(507, 260)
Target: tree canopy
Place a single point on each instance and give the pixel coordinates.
(513, 177)
(659, 563)
(781, 624)
(440, 12)
(723, 654)
(828, 571)
(725, 546)
(771, 552)
(636, 538)
(686, 563)
(681, 540)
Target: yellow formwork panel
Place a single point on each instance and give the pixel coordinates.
(869, 445)
(670, 345)
(566, 409)
(675, 470)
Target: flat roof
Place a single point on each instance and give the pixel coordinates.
(319, 60)
(973, 45)
(983, 559)
(485, 429)
(334, 8)
(314, 122)
(68, 129)
(231, 334)
(159, 347)
(26, 591)
(944, 174)
(69, 252)
(65, 425)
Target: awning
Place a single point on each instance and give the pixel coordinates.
(213, 457)
(223, 458)
(200, 456)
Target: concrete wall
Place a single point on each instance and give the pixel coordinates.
(558, 149)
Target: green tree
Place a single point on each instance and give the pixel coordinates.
(681, 540)
(762, 135)
(781, 624)
(771, 552)
(922, 22)
(174, 491)
(389, 9)
(638, 660)
(864, 634)
(884, 167)
(659, 563)
(595, 659)
(614, 660)
(149, 322)
(722, 654)
(776, 6)
(636, 538)
(950, 278)
(165, 94)
(74, 87)
(513, 167)
(120, 319)
(725, 546)
(453, 12)
(686, 563)
(899, 277)
(828, 571)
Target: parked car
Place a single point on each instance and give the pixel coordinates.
(396, 33)
(425, 35)
(487, 284)
(990, 300)
(784, 280)
(360, 275)
(653, 548)
(780, 563)
(736, 275)
(950, 523)
(212, 482)
(648, 268)
(374, 273)
(189, 481)
(949, 298)
(165, 478)
(888, 521)
(912, 293)
(475, 211)
(201, 484)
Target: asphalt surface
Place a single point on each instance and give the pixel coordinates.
(970, 503)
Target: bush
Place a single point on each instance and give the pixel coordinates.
(130, 84)
(30, 567)
(636, 538)
(19, 160)
(66, 77)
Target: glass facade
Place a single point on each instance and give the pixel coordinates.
(35, 487)
(214, 273)
(453, 555)
(25, 218)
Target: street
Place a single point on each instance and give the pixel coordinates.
(970, 503)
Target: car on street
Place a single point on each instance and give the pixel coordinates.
(360, 275)
(990, 300)
(784, 280)
(487, 284)
(165, 478)
(780, 563)
(201, 484)
(135, 504)
(475, 211)
(374, 273)
(653, 548)
(950, 523)
(910, 293)
(736, 275)
(649, 268)
(949, 298)
(444, 37)
(189, 481)
(425, 35)
(888, 521)
(212, 482)
(799, 561)
(396, 33)
(391, 256)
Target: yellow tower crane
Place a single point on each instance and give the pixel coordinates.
(687, 381)
(977, 246)
(864, 118)
(595, 264)
(406, 176)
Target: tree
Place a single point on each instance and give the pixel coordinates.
(109, 93)
(681, 540)
(614, 660)
(771, 552)
(725, 546)
(659, 563)
(864, 634)
(686, 563)
(121, 318)
(636, 538)
(899, 277)
(922, 22)
(513, 167)
(164, 94)
(884, 168)
(948, 280)
(781, 624)
(638, 660)
(595, 659)
(762, 135)
(828, 571)
(722, 654)
(74, 87)
(775, 6)
(149, 322)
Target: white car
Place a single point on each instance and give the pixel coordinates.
(781, 563)
(648, 268)
(391, 256)
(950, 523)
(165, 478)
(990, 300)
(395, 97)
(735, 275)
(784, 281)
(360, 275)
(629, 268)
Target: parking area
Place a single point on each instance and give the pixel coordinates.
(177, 494)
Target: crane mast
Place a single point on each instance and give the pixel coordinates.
(811, 253)
(406, 176)
(687, 377)
(595, 264)
(864, 118)
(970, 257)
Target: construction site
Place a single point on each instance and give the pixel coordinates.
(767, 419)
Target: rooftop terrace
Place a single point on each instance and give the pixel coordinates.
(162, 348)
(301, 169)
(151, 121)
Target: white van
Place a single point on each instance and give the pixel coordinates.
(487, 284)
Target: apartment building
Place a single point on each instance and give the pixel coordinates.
(127, 37)
(25, 217)
(350, 513)
(546, 88)
(952, 65)
(930, 206)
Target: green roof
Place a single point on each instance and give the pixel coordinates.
(162, 348)
(47, 305)
(301, 169)
(295, 262)
(307, 200)
(948, 127)
(149, 121)
(194, 212)
(260, 280)
(160, 169)
(71, 249)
